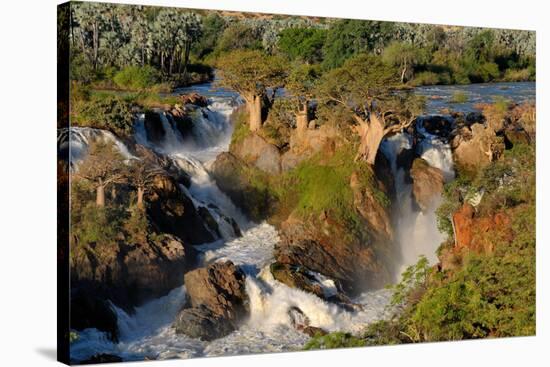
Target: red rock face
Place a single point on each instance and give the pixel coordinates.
(471, 232)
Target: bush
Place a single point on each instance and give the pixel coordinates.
(334, 340)
(137, 78)
(106, 112)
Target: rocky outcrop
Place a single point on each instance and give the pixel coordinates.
(367, 200)
(304, 144)
(256, 151)
(301, 322)
(194, 99)
(428, 184)
(173, 212)
(130, 274)
(301, 278)
(475, 147)
(233, 177)
(218, 301)
(470, 229)
(88, 311)
(153, 127)
(326, 246)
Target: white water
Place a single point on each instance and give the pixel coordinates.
(416, 231)
(148, 333)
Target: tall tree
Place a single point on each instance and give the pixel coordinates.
(364, 87)
(141, 173)
(404, 56)
(252, 73)
(102, 167)
(90, 22)
(300, 84)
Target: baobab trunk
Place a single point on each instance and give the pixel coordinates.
(371, 135)
(254, 105)
(302, 121)
(100, 196)
(140, 193)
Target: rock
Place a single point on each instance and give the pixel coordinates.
(305, 144)
(476, 148)
(89, 311)
(366, 200)
(470, 229)
(174, 213)
(195, 99)
(297, 277)
(515, 136)
(102, 358)
(209, 220)
(428, 184)
(153, 127)
(324, 245)
(201, 322)
(301, 322)
(130, 274)
(218, 301)
(233, 177)
(256, 151)
(437, 125)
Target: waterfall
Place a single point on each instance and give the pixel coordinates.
(416, 231)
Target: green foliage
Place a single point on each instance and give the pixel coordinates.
(136, 78)
(239, 36)
(413, 279)
(347, 37)
(136, 225)
(110, 113)
(305, 44)
(251, 72)
(239, 119)
(95, 225)
(459, 97)
(334, 340)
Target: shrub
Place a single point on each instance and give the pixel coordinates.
(106, 112)
(334, 340)
(136, 77)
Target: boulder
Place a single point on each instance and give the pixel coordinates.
(301, 322)
(301, 278)
(428, 184)
(194, 99)
(256, 151)
(89, 311)
(201, 322)
(217, 300)
(130, 274)
(173, 212)
(437, 125)
(476, 147)
(326, 246)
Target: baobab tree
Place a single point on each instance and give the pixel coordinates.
(102, 167)
(141, 173)
(252, 73)
(300, 84)
(364, 86)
